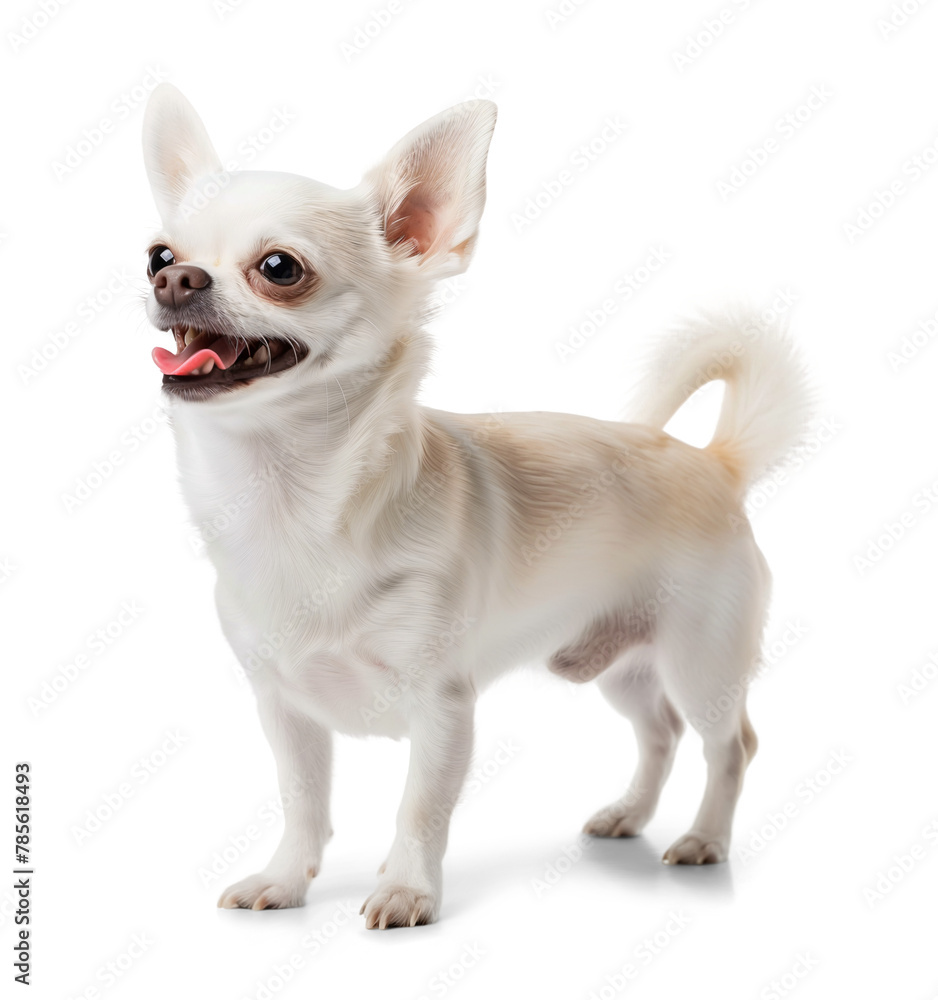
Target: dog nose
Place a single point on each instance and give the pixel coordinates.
(173, 285)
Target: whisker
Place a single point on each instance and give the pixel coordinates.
(347, 411)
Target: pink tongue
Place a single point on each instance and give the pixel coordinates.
(223, 351)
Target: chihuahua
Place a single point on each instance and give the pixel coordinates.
(381, 562)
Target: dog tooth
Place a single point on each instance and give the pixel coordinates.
(261, 356)
(247, 362)
(207, 367)
(191, 334)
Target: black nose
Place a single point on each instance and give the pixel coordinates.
(175, 284)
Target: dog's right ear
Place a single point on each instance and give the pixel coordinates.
(176, 148)
(430, 189)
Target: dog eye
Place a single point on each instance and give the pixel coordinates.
(160, 257)
(281, 269)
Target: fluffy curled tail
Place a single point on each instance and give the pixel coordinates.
(768, 400)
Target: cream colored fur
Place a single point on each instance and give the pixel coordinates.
(404, 557)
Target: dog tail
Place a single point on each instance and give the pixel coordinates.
(768, 399)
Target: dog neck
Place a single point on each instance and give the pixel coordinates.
(308, 456)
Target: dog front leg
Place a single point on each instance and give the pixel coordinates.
(410, 886)
(303, 751)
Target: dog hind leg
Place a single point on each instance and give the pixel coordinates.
(634, 689)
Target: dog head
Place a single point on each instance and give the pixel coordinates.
(271, 282)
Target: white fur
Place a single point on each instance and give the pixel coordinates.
(405, 557)
(768, 398)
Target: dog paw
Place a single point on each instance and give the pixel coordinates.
(264, 892)
(692, 849)
(616, 821)
(397, 905)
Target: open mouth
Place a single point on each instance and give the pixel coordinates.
(206, 361)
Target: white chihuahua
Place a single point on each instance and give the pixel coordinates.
(383, 562)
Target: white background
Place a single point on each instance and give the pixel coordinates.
(845, 637)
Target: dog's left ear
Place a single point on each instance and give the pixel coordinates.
(176, 148)
(430, 189)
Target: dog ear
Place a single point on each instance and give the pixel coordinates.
(430, 189)
(176, 148)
